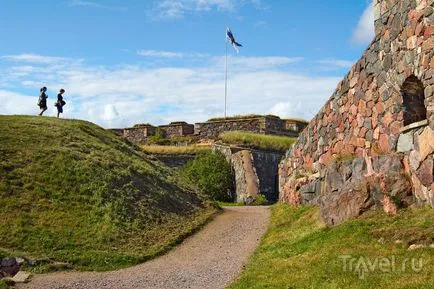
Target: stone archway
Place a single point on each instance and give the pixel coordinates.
(412, 92)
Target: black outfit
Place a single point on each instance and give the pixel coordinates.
(60, 103)
(42, 100)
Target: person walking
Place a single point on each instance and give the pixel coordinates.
(42, 101)
(60, 102)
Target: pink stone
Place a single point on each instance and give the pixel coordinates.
(428, 45)
(412, 42)
(429, 30)
(325, 158)
(374, 120)
(338, 147)
(394, 127)
(426, 143)
(419, 29)
(387, 119)
(363, 132)
(379, 107)
(386, 35)
(406, 165)
(353, 108)
(362, 107)
(383, 142)
(415, 15)
(376, 133)
(388, 206)
(425, 173)
(308, 162)
(360, 120)
(354, 80)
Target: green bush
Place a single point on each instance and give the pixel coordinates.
(211, 173)
(260, 200)
(158, 138)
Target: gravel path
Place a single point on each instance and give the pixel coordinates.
(212, 258)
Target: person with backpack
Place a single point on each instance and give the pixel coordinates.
(42, 101)
(60, 102)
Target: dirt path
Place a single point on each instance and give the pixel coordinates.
(212, 258)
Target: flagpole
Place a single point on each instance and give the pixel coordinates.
(226, 74)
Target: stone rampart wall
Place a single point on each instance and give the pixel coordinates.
(211, 130)
(366, 115)
(264, 125)
(174, 131)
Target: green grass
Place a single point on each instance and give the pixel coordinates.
(74, 192)
(258, 141)
(174, 150)
(240, 117)
(230, 204)
(299, 252)
(4, 285)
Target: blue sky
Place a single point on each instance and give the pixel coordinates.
(125, 62)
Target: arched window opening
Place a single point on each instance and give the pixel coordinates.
(412, 92)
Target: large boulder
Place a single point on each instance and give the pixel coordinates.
(346, 188)
(353, 187)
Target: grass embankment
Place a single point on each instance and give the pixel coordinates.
(239, 117)
(257, 141)
(74, 192)
(299, 252)
(174, 150)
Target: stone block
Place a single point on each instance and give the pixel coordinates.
(425, 173)
(21, 277)
(412, 42)
(405, 142)
(425, 143)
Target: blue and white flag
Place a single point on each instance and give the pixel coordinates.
(231, 38)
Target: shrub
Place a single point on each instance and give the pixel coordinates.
(260, 200)
(211, 173)
(158, 138)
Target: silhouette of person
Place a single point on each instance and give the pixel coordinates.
(42, 101)
(60, 102)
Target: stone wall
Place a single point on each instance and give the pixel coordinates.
(177, 129)
(139, 133)
(295, 125)
(372, 115)
(211, 130)
(265, 125)
(254, 172)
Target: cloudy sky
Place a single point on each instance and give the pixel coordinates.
(123, 62)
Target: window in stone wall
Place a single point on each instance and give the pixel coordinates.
(412, 92)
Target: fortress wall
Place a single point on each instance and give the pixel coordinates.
(373, 105)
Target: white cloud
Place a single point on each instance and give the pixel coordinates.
(119, 96)
(243, 63)
(35, 58)
(16, 103)
(168, 54)
(173, 9)
(365, 30)
(332, 63)
(90, 4)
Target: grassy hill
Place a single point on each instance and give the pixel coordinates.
(372, 251)
(74, 192)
